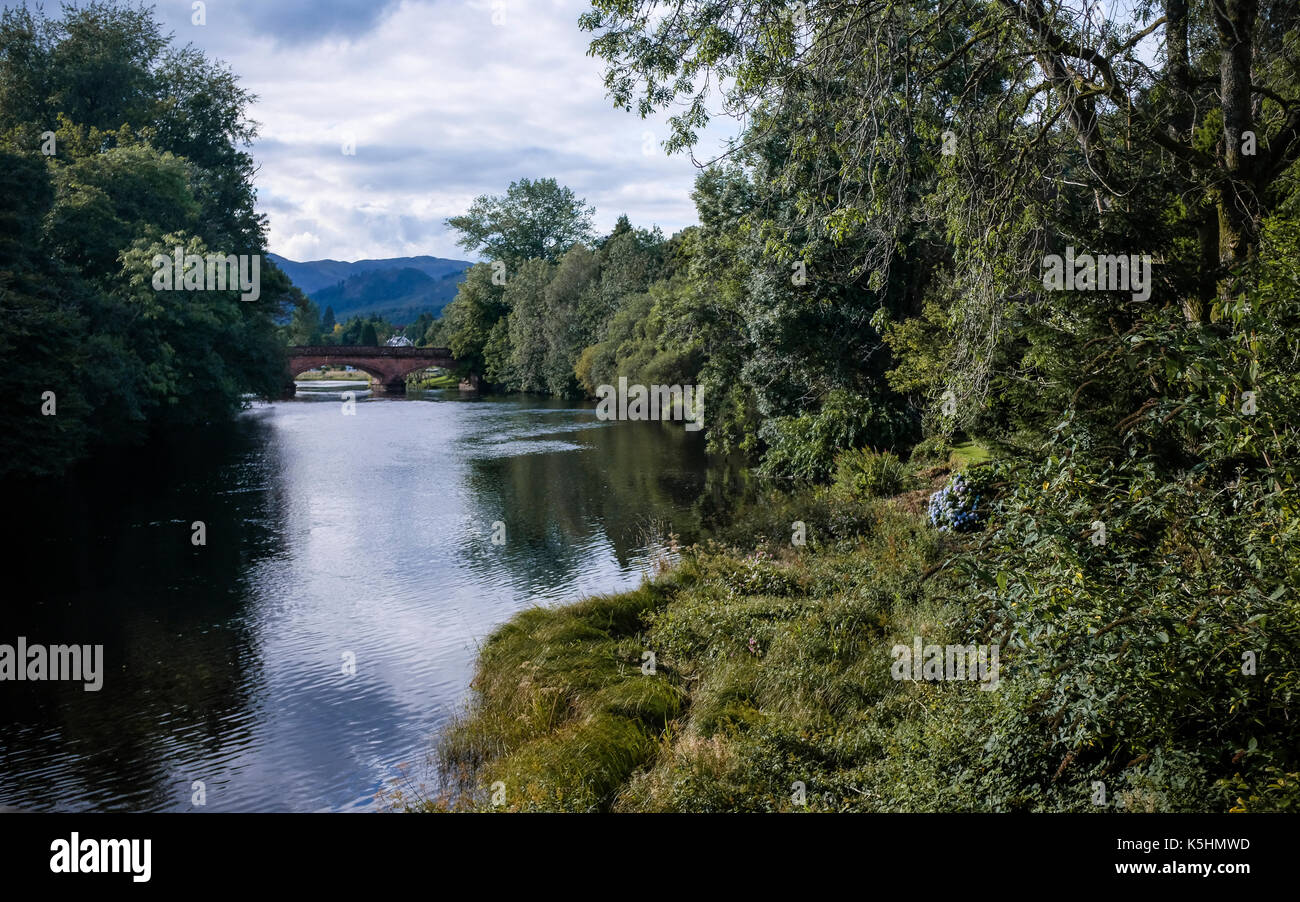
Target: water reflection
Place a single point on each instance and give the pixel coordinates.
(327, 536)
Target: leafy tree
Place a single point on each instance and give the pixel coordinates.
(103, 65)
(148, 156)
(105, 201)
(1093, 136)
(629, 260)
(469, 319)
(305, 326)
(416, 330)
(526, 344)
(565, 330)
(532, 220)
(41, 331)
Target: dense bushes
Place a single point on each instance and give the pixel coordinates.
(1149, 590)
(844, 286)
(1141, 597)
(1146, 673)
(805, 447)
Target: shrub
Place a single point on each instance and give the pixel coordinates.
(862, 473)
(804, 447)
(936, 449)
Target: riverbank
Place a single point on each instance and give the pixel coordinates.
(755, 674)
(425, 381)
(434, 381)
(333, 375)
(770, 669)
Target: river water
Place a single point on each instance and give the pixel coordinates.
(330, 539)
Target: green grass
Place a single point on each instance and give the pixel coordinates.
(564, 712)
(968, 453)
(770, 668)
(332, 375)
(433, 381)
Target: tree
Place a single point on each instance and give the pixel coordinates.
(305, 326)
(41, 332)
(105, 64)
(532, 220)
(566, 333)
(368, 338)
(327, 321)
(469, 319)
(147, 157)
(529, 349)
(416, 330)
(104, 201)
(629, 260)
(971, 139)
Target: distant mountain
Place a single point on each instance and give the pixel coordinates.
(398, 289)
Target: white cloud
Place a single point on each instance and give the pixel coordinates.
(301, 246)
(444, 105)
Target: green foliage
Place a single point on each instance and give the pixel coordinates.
(864, 473)
(305, 327)
(528, 326)
(468, 321)
(805, 447)
(550, 327)
(146, 158)
(1157, 655)
(851, 284)
(41, 331)
(533, 220)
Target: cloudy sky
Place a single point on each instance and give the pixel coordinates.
(444, 104)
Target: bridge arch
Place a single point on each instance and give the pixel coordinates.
(389, 367)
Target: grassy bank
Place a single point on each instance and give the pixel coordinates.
(770, 667)
(431, 381)
(427, 381)
(332, 376)
(771, 685)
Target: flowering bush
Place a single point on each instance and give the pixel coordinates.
(963, 504)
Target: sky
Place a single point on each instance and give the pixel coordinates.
(445, 100)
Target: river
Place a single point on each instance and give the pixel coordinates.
(331, 542)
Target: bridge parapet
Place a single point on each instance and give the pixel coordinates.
(366, 351)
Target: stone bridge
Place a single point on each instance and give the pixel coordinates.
(388, 366)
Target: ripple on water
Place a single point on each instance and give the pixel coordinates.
(330, 539)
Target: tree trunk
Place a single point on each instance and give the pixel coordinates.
(1238, 202)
